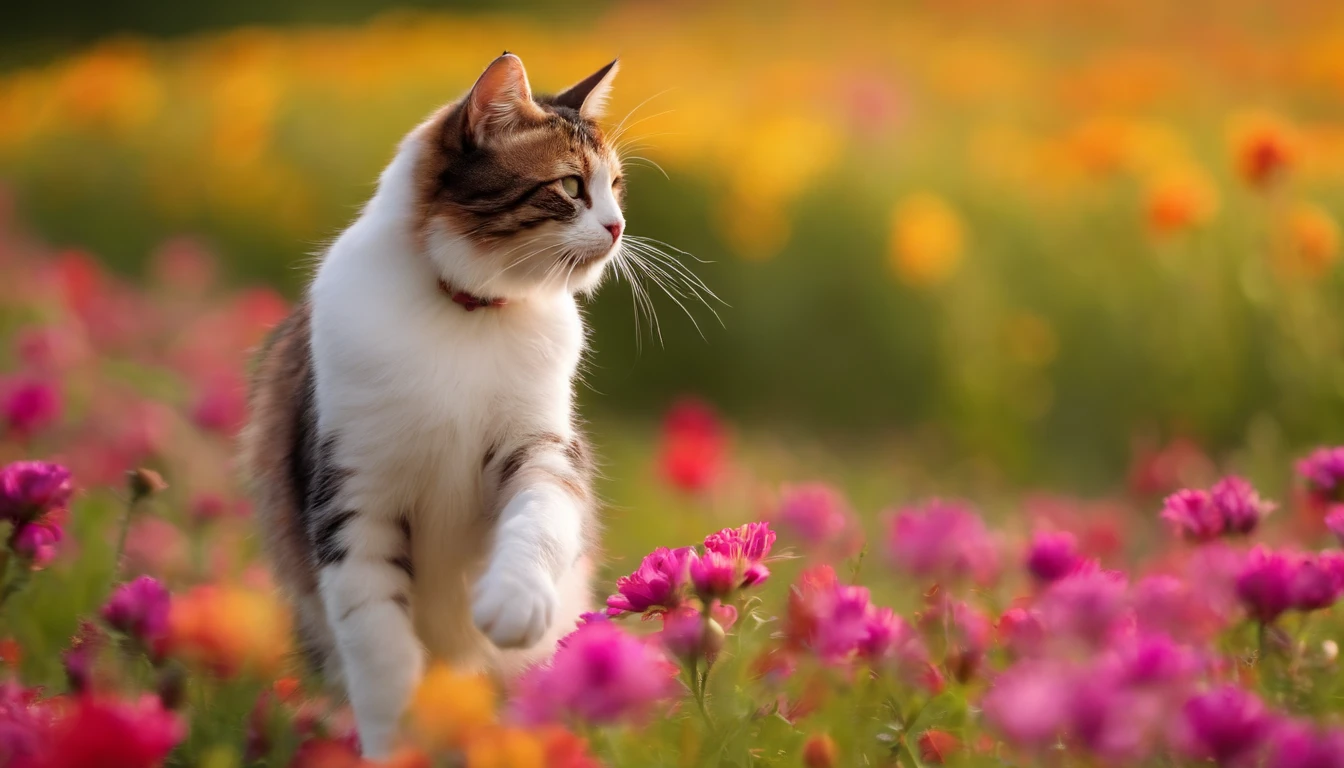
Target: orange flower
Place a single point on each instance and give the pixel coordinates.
(449, 708)
(1179, 200)
(936, 746)
(1264, 147)
(505, 747)
(926, 240)
(229, 629)
(819, 751)
(1314, 238)
(565, 750)
(10, 652)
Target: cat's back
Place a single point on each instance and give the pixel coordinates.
(277, 446)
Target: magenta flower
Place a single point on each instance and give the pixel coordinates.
(1052, 555)
(1110, 720)
(31, 489)
(1334, 520)
(1154, 661)
(1323, 470)
(843, 622)
(1193, 515)
(748, 545)
(1316, 584)
(1020, 629)
(1228, 725)
(600, 674)
(1237, 502)
(1029, 703)
(687, 634)
(714, 575)
(140, 610)
(885, 633)
(816, 514)
(37, 543)
(1300, 745)
(30, 406)
(1265, 584)
(942, 540)
(1086, 606)
(655, 584)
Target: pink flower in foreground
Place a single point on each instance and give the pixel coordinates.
(714, 575)
(23, 722)
(1052, 555)
(1323, 470)
(99, 731)
(37, 543)
(600, 674)
(1228, 725)
(139, 609)
(816, 515)
(1265, 584)
(748, 546)
(942, 540)
(1301, 745)
(31, 489)
(1317, 582)
(655, 584)
(30, 406)
(1029, 703)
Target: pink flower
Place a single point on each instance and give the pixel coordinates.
(1228, 725)
(942, 540)
(156, 546)
(655, 584)
(1265, 584)
(687, 634)
(23, 724)
(885, 633)
(37, 543)
(843, 622)
(747, 546)
(1316, 584)
(221, 406)
(816, 515)
(1301, 745)
(694, 447)
(600, 674)
(714, 575)
(1052, 556)
(1334, 520)
(31, 489)
(1086, 606)
(1193, 515)
(1020, 629)
(1240, 506)
(1029, 703)
(30, 406)
(1323, 470)
(139, 609)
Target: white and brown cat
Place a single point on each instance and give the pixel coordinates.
(420, 478)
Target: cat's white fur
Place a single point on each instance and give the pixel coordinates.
(418, 390)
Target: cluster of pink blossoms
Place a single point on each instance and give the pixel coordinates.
(34, 495)
(1230, 507)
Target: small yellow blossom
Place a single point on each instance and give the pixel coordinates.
(449, 708)
(926, 240)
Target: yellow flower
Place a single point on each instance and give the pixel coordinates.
(1314, 238)
(502, 747)
(926, 240)
(448, 707)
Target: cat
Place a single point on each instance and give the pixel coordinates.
(422, 483)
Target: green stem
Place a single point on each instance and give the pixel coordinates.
(121, 539)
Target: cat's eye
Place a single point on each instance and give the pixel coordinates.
(572, 185)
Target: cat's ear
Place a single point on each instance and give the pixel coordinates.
(589, 96)
(499, 100)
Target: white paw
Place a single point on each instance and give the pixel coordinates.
(513, 607)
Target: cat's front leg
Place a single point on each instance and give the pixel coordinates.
(363, 551)
(542, 502)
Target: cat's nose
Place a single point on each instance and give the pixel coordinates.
(615, 230)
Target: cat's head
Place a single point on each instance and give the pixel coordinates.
(516, 193)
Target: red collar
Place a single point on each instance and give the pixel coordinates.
(468, 301)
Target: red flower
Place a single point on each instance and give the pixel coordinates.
(936, 746)
(98, 732)
(694, 447)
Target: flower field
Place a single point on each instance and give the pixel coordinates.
(1014, 447)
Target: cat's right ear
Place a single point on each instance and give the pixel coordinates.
(500, 100)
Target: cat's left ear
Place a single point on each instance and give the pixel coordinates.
(589, 96)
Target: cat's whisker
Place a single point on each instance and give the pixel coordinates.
(627, 259)
(650, 163)
(652, 272)
(687, 277)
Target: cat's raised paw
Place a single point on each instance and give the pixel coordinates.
(514, 608)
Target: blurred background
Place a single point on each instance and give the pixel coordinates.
(1041, 240)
